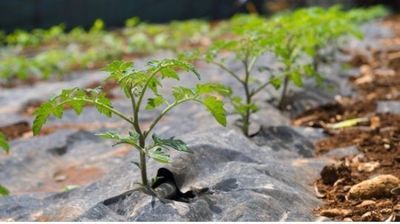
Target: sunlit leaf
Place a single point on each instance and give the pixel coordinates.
(176, 144)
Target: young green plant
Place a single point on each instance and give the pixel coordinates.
(4, 146)
(137, 85)
(292, 38)
(246, 49)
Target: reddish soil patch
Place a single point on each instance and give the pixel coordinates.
(69, 176)
(15, 130)
(81, 127)
(377, 138)
(30, 81)
(30, 107)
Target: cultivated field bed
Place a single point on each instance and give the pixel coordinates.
(303, 158)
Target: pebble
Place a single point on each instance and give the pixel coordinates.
(384, 204)
(333, 212)
(346, 188)
(366, 203)
(368, 167)
(386, 211)
(376, 187)
(366, 216)
(60, 178)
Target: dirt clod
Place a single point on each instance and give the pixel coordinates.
(331, 173)
(377, 187)
(335, 212)
(377, 139)
(366, 203)
(15, 130)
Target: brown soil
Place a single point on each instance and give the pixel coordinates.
(69, 176)
(377, 138)
(30, 81)
(15, 130)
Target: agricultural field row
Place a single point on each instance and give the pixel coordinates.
(295, 38)
(27, 56)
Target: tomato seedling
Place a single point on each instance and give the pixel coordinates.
(246, 49)
(136, 84)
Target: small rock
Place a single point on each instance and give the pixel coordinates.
(368, 167)
(386, 211)
(358, 158)
(366, 216)
(347, 219)
(385, 72)
(342, 152)
(375, 122)
(346, 188)
(366, 203)
(386, 203)
(376, 187)
(322, 219)
(333, 212)
(60, 178)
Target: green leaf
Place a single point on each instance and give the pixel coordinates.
(241, 108)
(159, 155)
(41, 116)
(181, 92)
(154, 83)
(155, 102)
(169, 73)
(117, 69)
(110, 135)
(296, 78)
(4, 191)
(131, 22)
(77, 99)
(213, 88)
(3, 143)
(276, 82)
(216, 107)
(77, 105)
(176, 144)
(172, 64)
(131, 139)
(103, 100)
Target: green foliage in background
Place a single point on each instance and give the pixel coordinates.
(4, 146)
(43, 53)
(295, 38)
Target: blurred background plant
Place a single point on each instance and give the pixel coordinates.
(49, 53)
